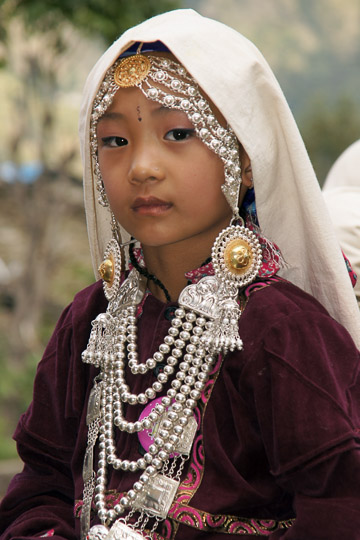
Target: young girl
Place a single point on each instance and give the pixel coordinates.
(199, 390)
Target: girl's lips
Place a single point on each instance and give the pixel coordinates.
(151, 206)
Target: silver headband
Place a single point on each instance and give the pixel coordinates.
(147, 73)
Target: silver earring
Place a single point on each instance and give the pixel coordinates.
(236, 258)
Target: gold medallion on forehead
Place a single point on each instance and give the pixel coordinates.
(238, 256)
(132, 70)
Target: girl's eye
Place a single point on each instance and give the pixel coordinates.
(179, 134)
(114, 142)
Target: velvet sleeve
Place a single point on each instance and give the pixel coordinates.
(40, 500)
(305, 391)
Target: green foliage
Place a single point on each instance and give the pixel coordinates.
(16, 384)
(328, 129)
(107, 18)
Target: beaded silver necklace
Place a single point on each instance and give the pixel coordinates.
(205, 324)
(113, 340)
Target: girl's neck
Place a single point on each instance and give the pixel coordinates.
(169, 264)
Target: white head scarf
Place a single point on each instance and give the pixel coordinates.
(342, 195)
(290, 207)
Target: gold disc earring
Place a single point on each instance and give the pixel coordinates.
(236, 255)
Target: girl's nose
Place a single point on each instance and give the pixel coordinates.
(146, 166)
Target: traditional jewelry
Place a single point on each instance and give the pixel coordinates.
(236, 255)
(113, 338)
(205, 324)
(132, 70)
(167, 82)
(110, 269)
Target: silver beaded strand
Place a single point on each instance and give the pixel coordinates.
(182, 349)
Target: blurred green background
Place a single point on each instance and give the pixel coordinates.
(47, 48)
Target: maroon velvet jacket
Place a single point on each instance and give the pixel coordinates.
(279, 433)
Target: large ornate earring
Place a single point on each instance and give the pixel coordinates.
(236, 256)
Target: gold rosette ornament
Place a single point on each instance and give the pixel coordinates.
(236, 255)
(132, 70)
(110, 269)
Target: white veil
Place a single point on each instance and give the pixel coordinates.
(290, 207)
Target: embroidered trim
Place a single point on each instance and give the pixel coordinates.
(182, 514)
(257, 285)
(218, 523)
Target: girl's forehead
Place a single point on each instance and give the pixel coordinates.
(128, 101)
(184, 78)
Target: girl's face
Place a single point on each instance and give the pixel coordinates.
(162, 182)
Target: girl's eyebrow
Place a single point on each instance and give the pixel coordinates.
(112, 115)
(162, 110)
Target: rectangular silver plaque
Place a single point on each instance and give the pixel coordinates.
(93, 410)
(157, 496)
(187, 437)
(120, 531)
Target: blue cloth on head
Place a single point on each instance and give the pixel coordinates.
(154, 46)
(248, 206)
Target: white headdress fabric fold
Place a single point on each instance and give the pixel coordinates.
(341, 191)
(290, 207)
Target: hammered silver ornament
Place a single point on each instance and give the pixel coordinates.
(201, 297)
(97, 532)
(121, 531)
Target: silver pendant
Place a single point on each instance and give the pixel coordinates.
(215, 300)
(121, 531)
(93, 410)
(187, 437)
(201, 297)
(92, 421)
(87, 471)
(130, 293)
(157, 496)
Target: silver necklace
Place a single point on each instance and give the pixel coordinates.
(205, 324)
(113, 341)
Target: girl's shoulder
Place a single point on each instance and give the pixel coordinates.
(83, 309)
(90, 299)
(280, 297)
(277, 314)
